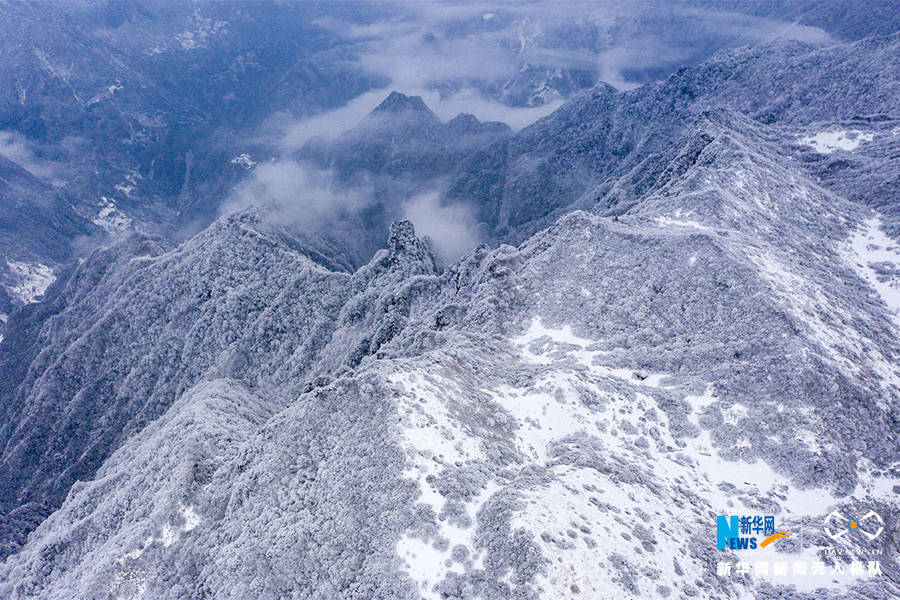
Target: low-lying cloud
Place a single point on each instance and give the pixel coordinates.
(452, 230)
(295, 194)
(14, 146)
(420, 46)
(330, 124)
(472, 56)
(303, 196)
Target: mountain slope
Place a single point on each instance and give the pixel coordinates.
(575, 157)
(541, 396)
(39, 229)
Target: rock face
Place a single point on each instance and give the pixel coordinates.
(697, 319)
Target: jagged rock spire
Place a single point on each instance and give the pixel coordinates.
(404, 246)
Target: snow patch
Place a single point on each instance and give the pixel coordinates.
(125, 189)
(826, 142)
(682, 223)
(243, 160)
(433, 439)
(808, 302)
(545, 346)
(30, 280)
(111, 218)
(585, 523)
(168, 535)
(876, 258)
(202, 29)
(592, 524)
(428, 565)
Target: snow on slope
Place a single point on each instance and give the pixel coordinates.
(614, 480)
(154, 476)
(876, 258)
(826, 142)
(111, 218)
(31, 280)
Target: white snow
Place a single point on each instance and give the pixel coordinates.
(168, 535)
(426, 564)
(243, 160)
(191, 518)
(578, 515)
(125, 189)
(877, 487)
(662, 220)
(809, 303)
(203, 28)
(432, 439)
(803, 583)
(545, 416)
(870, 245)
(111, 218)
(109, 92)
(31, 280)
(757, 476)
(826, 142)
(543, 345)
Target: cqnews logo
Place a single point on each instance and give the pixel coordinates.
(736, 532)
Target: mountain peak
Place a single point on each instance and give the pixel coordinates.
(402, 237)
(403, 244)
(397, 102)
(466, 123)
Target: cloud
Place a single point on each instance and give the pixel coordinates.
(421, 58)
(331, 123)
(488, 59)
(473, 56)
(452, 230)
(421, 45)
(14, 146)
(294, 194)
(301, 195)
(748, 29)
(472, 101)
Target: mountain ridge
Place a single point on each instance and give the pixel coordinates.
(689, 324)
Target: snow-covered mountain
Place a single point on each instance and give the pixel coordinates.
(689, 307)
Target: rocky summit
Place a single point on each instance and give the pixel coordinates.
(646, 345)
